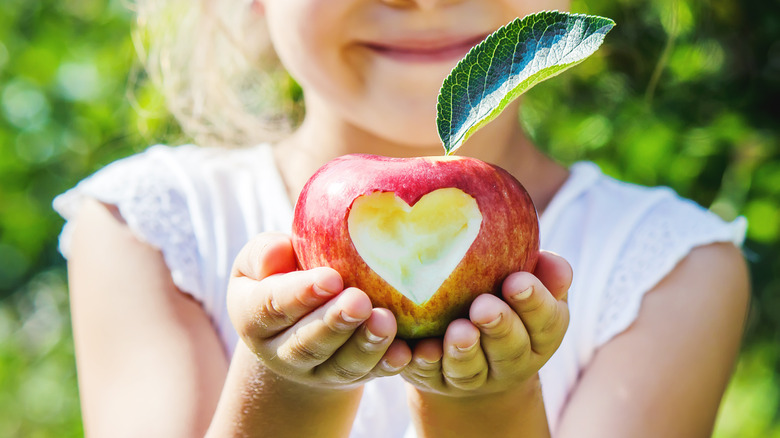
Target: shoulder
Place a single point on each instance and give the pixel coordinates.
(622, 240)
(658, 279)
(626, 236)
(166, 192)
(676, 358)
(149, 193)
(624, 201)
(171, 198)
(136, 334)
(703, 298)
(630, 225)
(616, 213)
(159, 171)
(196, 206)
(179, 167)
(640, 235)
(662, 300)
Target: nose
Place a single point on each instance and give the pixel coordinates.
(421, 4)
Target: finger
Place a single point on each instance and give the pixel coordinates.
(266, 254)
(555, 273)
(395, 359)
(505, 341)
(261, 309)
(316, 337)
(545, 318)
(425, 367)
(363, 351)
(464, 365)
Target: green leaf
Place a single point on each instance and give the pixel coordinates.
(509, 62)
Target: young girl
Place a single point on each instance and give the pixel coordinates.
(191, 317)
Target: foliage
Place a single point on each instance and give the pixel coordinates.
(683, 93)
(64, 112)
(38, 395)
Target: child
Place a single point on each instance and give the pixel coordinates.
(191, 318)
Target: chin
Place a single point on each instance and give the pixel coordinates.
(417, 142)
(413, 129)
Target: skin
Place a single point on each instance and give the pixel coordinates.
(150, 363)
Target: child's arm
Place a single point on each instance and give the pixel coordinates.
(666, 374)
(492, 389)
(149, 361)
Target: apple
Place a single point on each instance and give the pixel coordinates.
(421, 236)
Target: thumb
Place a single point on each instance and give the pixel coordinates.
(555, 273)
(265, 255)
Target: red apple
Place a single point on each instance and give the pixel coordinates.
(421, 236)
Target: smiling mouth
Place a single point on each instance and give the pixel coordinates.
(425, 50)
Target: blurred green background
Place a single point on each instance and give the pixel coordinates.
(684, 93)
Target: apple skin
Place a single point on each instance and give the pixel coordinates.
(507, 242)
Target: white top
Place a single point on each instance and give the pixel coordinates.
(200, 206)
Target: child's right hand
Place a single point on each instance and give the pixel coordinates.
(303, 325)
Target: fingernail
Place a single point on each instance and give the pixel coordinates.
(524, 294)
(349, 319)
(467, 349)
(494, 323)
(385, 365)
(323, 289)
(322, 292)
(374, 339)
(425, 362)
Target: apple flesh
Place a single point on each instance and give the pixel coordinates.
(422, 237)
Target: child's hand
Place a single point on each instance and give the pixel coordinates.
(504, 342)
(303, 325)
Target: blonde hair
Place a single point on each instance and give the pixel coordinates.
(213, 64)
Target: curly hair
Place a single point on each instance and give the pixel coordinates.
(213, 63)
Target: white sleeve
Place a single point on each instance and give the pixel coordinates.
(151, 201)
(659, 241)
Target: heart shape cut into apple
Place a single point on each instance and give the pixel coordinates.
(414, 248)
(421, 237)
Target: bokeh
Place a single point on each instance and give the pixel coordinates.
(684, 93)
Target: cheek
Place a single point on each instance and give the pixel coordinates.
(308, 36)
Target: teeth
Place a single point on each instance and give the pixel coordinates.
(414, 249)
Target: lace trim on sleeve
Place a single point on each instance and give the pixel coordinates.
(660, 241)
(148, 197)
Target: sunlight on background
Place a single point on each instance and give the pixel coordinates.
(683, 94)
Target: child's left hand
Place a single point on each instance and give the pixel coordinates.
(504, 342)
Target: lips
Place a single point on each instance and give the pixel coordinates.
(425, 49)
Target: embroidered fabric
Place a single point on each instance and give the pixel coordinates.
(661, 239)
(145, 192)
